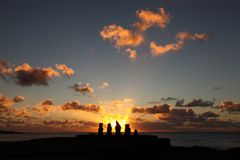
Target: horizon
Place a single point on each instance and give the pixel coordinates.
(159, 66)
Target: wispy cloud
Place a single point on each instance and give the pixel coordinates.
(181, 37)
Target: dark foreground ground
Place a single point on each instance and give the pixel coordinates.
(94, 147)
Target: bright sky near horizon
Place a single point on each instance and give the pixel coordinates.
(160, 65)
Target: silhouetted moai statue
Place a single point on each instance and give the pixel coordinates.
(118, 129)
(127, 130)
(100, 129)
(135, 132)
(109, 129)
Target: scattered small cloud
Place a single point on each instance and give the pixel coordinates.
(104, 85)
(180, 103)
(5, 69)
(83, 88)
(229, 106)
(209, 114)
(216, 88)
(47, 102)
(6, 102)
(65, 69)
(165, 108)
(132, 54)
(18, 99)
(75, 105)
(199, 103)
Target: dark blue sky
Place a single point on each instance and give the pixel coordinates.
(44, 33)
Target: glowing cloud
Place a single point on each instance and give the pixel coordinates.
(229, 106)
(65, 69)
(181, 37)
(132, 54)
(147, 19)
(121, 37)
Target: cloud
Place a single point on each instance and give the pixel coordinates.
(75, 105)
(121, 37)
(229, 106)
(6, 102)
(5, 69)
(166, 99)
(18, 99)
(147, 19)
(104, 85)
(65, 69)
(180, 103)
(132, 54)
(181, 37)
(44, 107)
(47, 102)
(216, 88)
(165, 108)
(28, 76)
(209, 114)
(82, 88)
(199, 103)
(178, 115)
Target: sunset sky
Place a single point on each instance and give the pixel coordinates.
(160, 65)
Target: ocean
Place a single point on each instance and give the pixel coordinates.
(213, 140)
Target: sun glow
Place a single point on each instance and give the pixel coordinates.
(112, 118)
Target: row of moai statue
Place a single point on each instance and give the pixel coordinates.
(127, 131)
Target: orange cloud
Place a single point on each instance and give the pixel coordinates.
(46, 106)
(6, 102)
(132, 54)
(121, 37)
(147, 19)
(181, 37)
(65, 69)
(229, 106)
(75, 105)
(18, 99)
